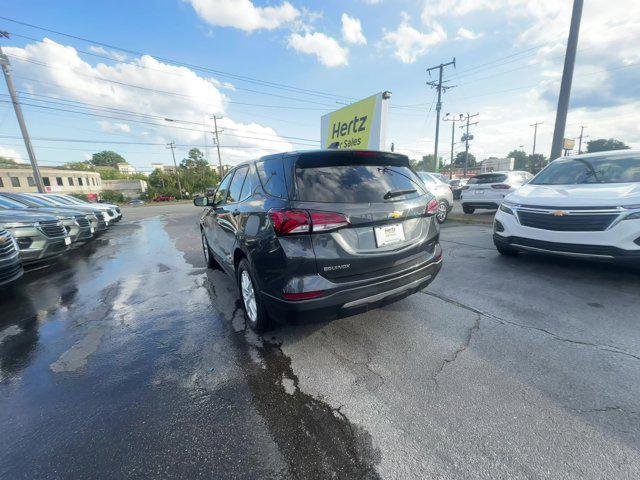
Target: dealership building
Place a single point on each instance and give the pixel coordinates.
(54, 180)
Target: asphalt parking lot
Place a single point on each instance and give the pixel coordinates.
(130, 360)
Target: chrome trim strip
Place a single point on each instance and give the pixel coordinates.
(564, 254)
(388, 293)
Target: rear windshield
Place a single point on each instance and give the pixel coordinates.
(365, 180)
(491, 178)
(574, 171)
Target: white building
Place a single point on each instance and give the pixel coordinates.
(126, 168)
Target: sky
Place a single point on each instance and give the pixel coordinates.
(133, 76)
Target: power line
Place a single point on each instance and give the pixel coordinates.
(177, 62)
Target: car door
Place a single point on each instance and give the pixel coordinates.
(228, 217)
(209, 220)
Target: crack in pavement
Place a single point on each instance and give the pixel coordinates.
(614, 408)
(504, 321)
(472, 330)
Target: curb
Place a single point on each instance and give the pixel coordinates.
(470, 219)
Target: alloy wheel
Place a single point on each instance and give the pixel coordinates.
(248, 296)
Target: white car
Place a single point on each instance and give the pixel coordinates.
(441, 190)
(585, 206)
(487, 190)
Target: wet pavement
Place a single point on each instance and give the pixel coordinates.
(129, 359)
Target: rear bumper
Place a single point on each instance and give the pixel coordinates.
(345, 300)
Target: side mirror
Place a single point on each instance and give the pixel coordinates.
(201, 202)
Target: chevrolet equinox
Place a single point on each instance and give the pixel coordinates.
(330, 232)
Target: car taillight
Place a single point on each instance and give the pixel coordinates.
(432, 207)
(302, 296)
(293, 222)
(325, 221)
(501, 186)
(290, 222)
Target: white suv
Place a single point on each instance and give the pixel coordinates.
(585, 206)
(487, 190)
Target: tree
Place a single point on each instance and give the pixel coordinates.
(107, 158)
(521, 159)
(536, 162)
(78, 166)
(195, 159)
(602, 145)
(458, 160)
(427, 164)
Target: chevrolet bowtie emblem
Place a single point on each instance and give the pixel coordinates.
(559, 213)
(395, 214)
(2, 239)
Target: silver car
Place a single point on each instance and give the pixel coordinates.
(10, 263)
(77, 223)
(39, 236)
(442, 192)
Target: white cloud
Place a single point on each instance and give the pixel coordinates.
(114, 127)
(11, 154)
(352, 30)
(328, 51)
(118, 56)
(409, 43)
(465, 34)
(68, 76)
(243, 14)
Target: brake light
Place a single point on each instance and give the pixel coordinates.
(501, 186)
(365, 153)
(325, 221)
(302, 296)
(292, 222)
(432, 207)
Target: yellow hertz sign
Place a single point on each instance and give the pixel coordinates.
(356, 126)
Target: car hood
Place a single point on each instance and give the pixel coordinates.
(592, 195)
(19, 215)
(62, 211)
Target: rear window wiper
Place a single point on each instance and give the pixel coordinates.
(398, 193)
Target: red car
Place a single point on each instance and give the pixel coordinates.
(164, 198)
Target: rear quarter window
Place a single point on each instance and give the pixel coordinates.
(271, 173)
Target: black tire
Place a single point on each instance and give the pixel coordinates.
(258, 320)
(443, 211)
(468, 210)
(206, 250)
(506, 251)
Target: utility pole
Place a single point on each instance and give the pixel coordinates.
(4, 61)
(567, 77)
(582, 127)
(172, 146)
(440, 88)
(535, 136)
(453, 139)
(466, 139)
(215, 123)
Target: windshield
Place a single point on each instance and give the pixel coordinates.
(7, 203)
(62, 199)
(577, 171)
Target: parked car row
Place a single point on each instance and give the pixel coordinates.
(37, 227)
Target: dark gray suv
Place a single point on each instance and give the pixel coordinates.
(328, 232)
